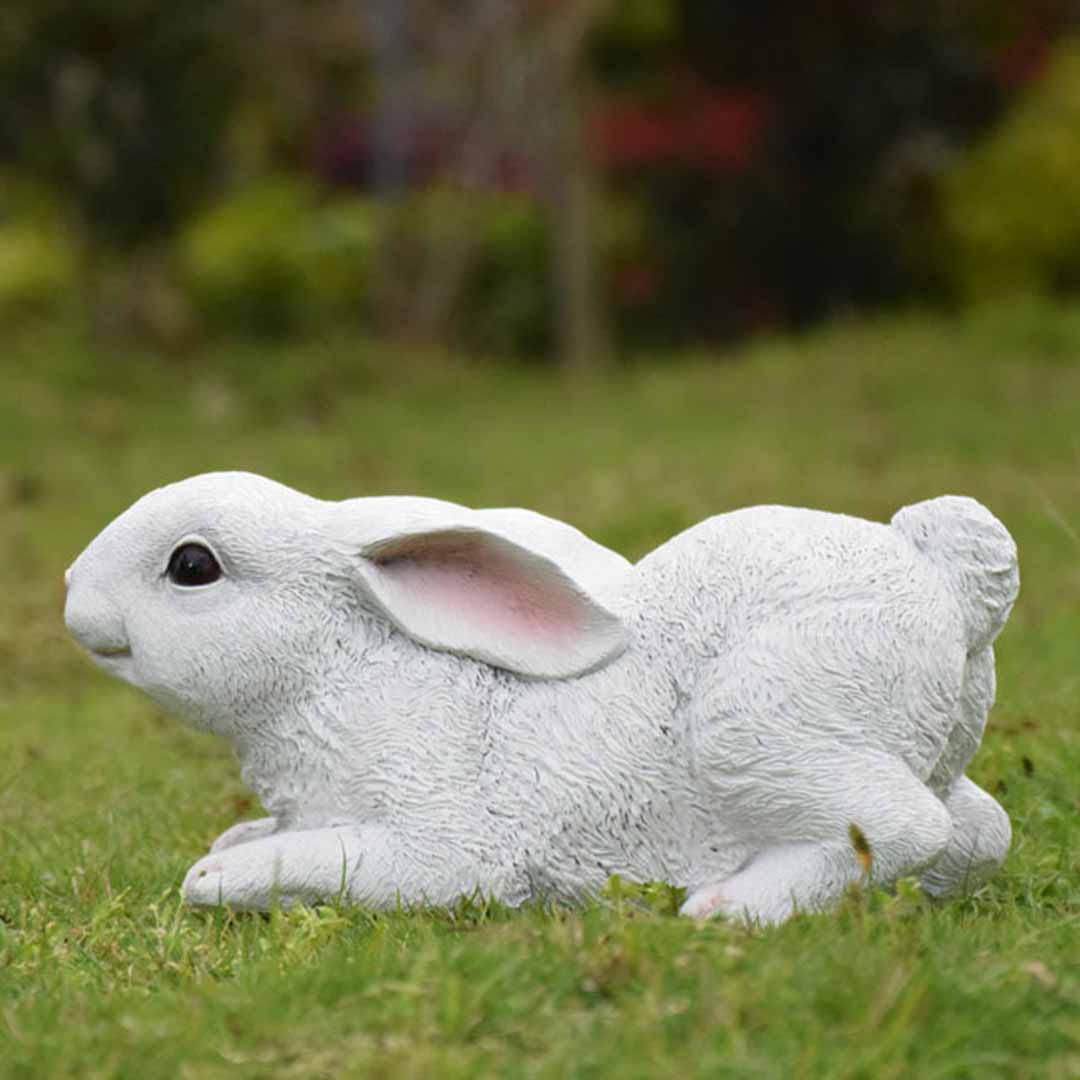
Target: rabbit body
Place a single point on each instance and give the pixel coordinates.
(769, 707)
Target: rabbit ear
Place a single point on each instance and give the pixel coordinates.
(458, 582)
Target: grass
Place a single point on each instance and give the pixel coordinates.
(104, 800)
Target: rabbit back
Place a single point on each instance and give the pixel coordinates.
(790, 628)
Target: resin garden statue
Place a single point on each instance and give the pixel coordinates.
(432, 701)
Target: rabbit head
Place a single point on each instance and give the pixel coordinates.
(228, 594)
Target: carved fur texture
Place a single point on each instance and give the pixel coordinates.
(431, 700)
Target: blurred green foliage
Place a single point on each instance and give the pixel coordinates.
(501, 245)
(509, 291)
(637, 24)
(38, 260)
(1012, 208)
(276, 257)
(121, 105)
(789, 156)
(756, 165)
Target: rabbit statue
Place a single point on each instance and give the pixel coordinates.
(431, 700)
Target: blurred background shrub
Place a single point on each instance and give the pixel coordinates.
(1012, 207)
(274, 258)
(555, 178)
(38, 253)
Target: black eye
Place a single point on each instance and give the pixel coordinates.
(193, 564)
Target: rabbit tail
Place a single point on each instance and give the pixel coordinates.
(976, 555)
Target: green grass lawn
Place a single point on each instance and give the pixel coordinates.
(105, 801)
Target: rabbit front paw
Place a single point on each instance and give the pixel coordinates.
(243, 832)
(204, 883)
(285, 868)
(222, 880)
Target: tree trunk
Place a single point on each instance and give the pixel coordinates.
(582, 332)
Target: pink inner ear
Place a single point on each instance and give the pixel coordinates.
(475, 581)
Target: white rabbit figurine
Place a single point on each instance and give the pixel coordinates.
(431, 700)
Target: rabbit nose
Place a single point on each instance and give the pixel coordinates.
(95, 623)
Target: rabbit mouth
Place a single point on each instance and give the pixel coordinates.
(115, 659)
(112, 652)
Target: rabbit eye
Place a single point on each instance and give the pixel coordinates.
(193, 564)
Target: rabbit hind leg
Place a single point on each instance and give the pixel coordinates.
(864, 818)
(977, 845)
(981, 832)
(777, 883)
